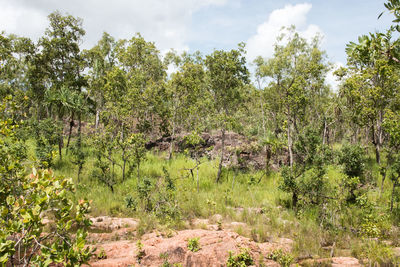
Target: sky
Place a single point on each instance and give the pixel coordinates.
(206, 25)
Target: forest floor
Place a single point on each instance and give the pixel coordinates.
(116, 241)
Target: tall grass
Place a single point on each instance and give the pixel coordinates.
(247, 196)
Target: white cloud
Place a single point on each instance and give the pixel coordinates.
(164, 22)
(21, 20)
(262, 43)
(332, 79)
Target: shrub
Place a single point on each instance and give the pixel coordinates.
(193, 244)
(375, 253)
(25, 200)
(240, 260)
(281, 257)
(140, 251)
(352, 157)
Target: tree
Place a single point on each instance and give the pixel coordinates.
(371, 82)
(78, 152)
(188, 94)
(145, 77)
(227, 75)
(60, 63)
(137, 152)
(102, 59)
(392, 127)
(25, 198)
(296, 93)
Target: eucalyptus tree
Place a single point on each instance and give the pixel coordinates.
(79, 104)
(188, 96)
(101, 59)
(15, 56)
(145, 74)
(227, 76)
(296, 91)
(371, 82)
(60, 63)
(296, 99)
(118, 113)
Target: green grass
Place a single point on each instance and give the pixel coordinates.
(238, 197)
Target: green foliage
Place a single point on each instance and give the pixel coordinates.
(136, 153)
(140, 253)
(26, 199)
(394, 7)
(375, 253)
(352, 157)
(284, 259)
(159, 197)
(105, 160)
(79, 154)
(193, 244)
(102, 254)
(292, 118)
(47, 195)
(374, 223)
(47, 137)
(241, 259)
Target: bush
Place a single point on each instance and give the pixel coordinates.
(281, 257)
(353, 159)
(240, 260)
(25, 200)
(375, 253)
(193, 244)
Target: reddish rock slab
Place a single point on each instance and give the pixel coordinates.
(215, 247)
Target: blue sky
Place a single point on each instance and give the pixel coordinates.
(205, 24)
(340, 22)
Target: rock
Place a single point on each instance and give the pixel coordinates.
(216, 218)
(334, 262)
(107, 223)
(345, 261)
(215, 247)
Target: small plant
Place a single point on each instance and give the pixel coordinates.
(140, 251)
(219, 224)
(240, 260)
(102, 255)
(131, 203)
(281, 257)
(165, 256)
(193, 244)
(374, 253)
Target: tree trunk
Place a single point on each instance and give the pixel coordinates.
(294, 199)
(222, 155)
(289, 136)
(79, 172)
(325, 132)
(71, 125)
(97, 119)
(198, 181)
(123, 168)
(171, 145)
(383, 173)
(379, 137)
(60, 144)
(378, 153)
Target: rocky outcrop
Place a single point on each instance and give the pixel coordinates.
(240, 151)
(214, 249)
